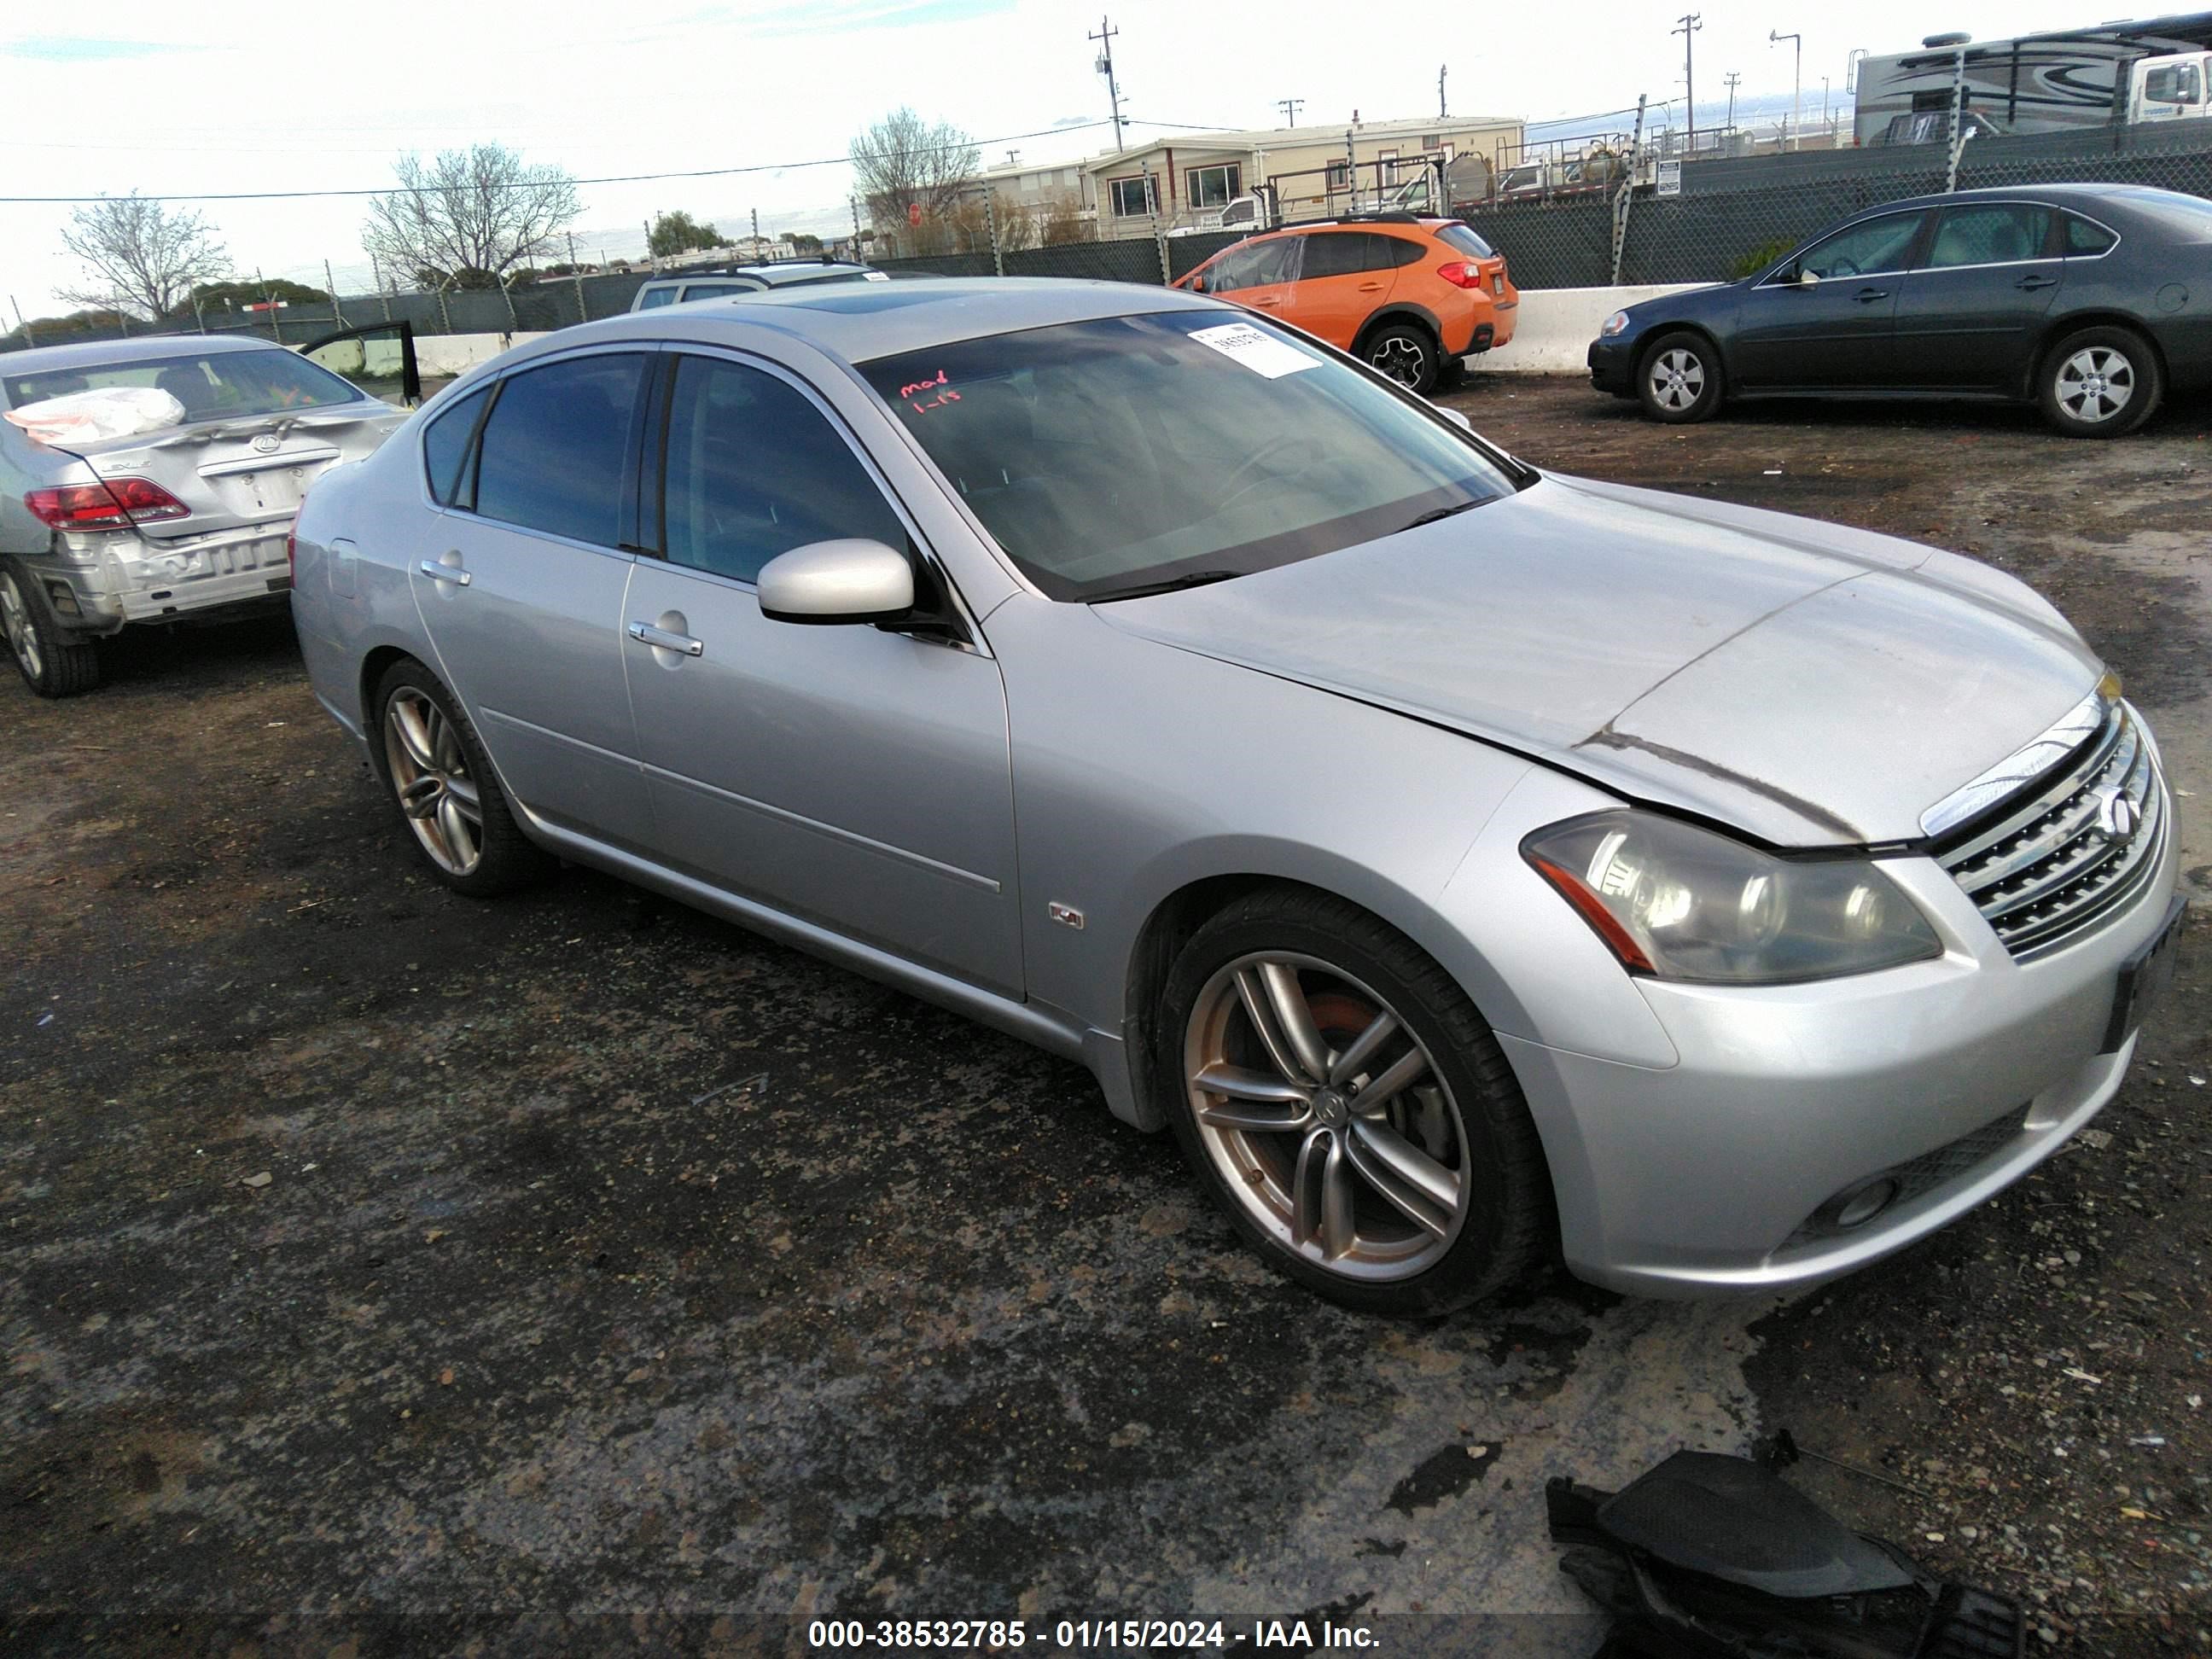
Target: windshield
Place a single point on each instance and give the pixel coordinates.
(1134, 451)
(211, 385)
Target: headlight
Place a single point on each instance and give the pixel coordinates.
(1680, 902)
(1614, 324)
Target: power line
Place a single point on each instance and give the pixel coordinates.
(619, 179)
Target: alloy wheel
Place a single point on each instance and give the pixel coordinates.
(430, 774)
(1678, 378)
(1326, 1118)
(1399, 358)
(15, 617)
(2095, 384)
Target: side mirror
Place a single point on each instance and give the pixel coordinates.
(1804, 279)
(1198, 285)
(850, 580)
(1458, 417)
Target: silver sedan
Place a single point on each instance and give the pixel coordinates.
(1467, 864)
(181, 522)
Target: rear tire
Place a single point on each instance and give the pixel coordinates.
(2099, 383)
(1407, 353)
(1393, 1167)
(458, 817)
(1678, 378)
(53, 664)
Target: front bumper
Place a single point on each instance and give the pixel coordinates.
(116, 580)
(1612, 366)
(1711, 1177)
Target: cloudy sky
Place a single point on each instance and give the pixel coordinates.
(171, 100)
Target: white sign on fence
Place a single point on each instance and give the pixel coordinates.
(1670, 179)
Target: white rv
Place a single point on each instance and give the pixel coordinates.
(2159, 70)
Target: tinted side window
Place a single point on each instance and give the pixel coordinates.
(1402, 250)
(446, 444)
(2083, 238)
(754, 470)
(657, 296)
(555, 446)
(1334, 253)
(1876, 245)
(1996, 234)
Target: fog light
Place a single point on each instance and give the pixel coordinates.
(1862, 1204)
(62, 597)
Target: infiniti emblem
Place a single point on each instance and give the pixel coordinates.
(2117, 815)
(266, 443)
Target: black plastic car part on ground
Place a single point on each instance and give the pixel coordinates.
(2087, 300)
(1711, 1555)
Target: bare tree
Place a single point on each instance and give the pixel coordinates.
(141, 255)
(471, 215)
(903, 162)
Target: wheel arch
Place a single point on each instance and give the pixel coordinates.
(1399, 311)
(2099, 316)
(1177, 917)
(1647, 339)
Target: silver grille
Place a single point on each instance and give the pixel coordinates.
(2062, 854)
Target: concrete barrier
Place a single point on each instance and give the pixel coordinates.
(1555, 325)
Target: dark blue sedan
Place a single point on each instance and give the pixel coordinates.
(2091, 300)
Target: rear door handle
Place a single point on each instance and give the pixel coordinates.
(2032, 283)
(661, 639)
(1370, 288)
(1867, 296)
(445, 573)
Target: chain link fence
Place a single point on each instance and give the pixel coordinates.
(1735, 215)
(1732, 216)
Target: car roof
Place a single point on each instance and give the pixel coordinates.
(94, 354)
(2083, 196)
(860, 321)
(780, 270)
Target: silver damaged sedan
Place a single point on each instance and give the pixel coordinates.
(1466, 863)
(185, 523)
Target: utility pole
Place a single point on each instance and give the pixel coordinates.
(756, 233)
(1291, 107)
(1105, 38)
(333, 281)
(1732, 78)
(1443, 113)
(1798, 76)
(1690, 24)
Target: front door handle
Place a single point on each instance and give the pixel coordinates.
(1265, 300)
(445, 573)
(661, 639)
(1370, 288)
(2032, 283)
(1867, 296)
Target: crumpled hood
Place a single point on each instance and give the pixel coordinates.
(1812, 684)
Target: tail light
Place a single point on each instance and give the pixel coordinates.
(1460, 273)
(291, 559)
(114, 504)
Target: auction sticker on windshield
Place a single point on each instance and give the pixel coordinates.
(1256, 351)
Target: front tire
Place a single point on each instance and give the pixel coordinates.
(430, 758)
(2099, 383)
(51, 663)
(1407, 353)
(1339, 1097)
(1678, 379)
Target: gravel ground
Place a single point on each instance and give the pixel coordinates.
(374, 1253)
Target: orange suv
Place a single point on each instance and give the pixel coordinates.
(1411, 296)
